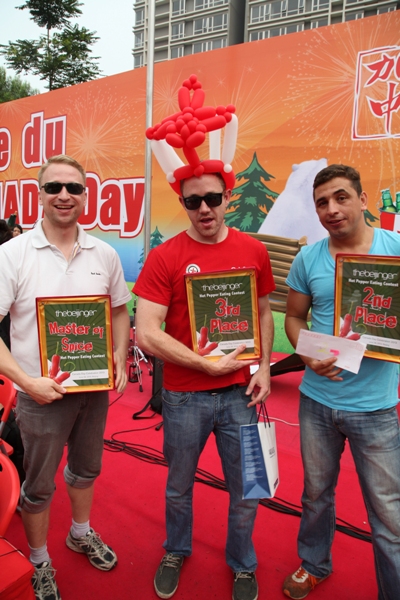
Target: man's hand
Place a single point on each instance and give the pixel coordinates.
(121, 378)
(260, 385)
(324, 368)
(44, 390)
(228, 363)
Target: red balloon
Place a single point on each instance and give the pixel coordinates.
(183, 97)
(214, 123)
(185, 132)
(198, 171)
(174, 140)
(196, 139)
(192, 156)
(198, 98)
(220, 110)
(204, 112)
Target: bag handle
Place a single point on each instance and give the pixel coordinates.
(263, 411)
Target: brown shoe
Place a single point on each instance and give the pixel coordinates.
(300, 584)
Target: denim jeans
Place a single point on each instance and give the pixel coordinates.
(189, 419)
(374, 440)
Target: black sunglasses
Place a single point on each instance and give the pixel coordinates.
(55, 187)
(212, 199)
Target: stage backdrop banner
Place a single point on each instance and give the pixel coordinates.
(321, 96)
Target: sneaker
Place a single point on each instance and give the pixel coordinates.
(300, 584)
(167, 576)
(99, 554)
(245, 586)
(43, 582)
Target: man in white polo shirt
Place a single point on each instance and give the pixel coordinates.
(57, 258)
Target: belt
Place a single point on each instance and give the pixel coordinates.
(222, 390)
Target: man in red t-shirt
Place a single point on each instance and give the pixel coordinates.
(202, 396)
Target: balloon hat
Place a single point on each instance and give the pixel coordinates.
(187, 130)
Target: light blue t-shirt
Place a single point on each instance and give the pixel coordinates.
(375, 386)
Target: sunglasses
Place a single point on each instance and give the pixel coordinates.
(212, 200)
(55, 187)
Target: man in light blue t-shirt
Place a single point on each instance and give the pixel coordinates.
(336, 405)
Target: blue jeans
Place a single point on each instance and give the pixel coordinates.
(189, 419)
(374, 440)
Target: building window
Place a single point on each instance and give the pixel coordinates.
(257, 14)
(277, 9)
(139, 39)
(319, 23)
(210, 24)
(138, 61)
(320, 4)
(354, 16)
(209, 45)
(385, 9)
(178, 7)
(176, 51)
(275, 32)
(177, 31)
(295, 7)
(257, 35)
(139, 16)
(201, 4)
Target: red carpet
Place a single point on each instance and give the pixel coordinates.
(129, 514)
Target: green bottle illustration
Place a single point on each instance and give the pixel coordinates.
(387, 202)
(397, 202)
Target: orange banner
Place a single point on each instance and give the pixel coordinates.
(303, 100)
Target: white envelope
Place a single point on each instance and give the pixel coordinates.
(349, 353)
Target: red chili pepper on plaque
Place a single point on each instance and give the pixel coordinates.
(61, 377)
(208, 349)
(55, 365)
(346, 326)
(203, 337)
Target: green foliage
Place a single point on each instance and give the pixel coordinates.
(62, 59)
(255, 198)
(52, 14)
(12, 88)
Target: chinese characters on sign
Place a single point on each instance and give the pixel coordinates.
(376, 113)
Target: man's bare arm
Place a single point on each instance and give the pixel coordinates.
(120, 327)
(151, 338)
(297, 308)
(260, 384)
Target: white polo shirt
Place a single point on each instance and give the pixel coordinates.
(31, 267)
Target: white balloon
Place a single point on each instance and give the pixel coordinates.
(214, 140)
(230, 139)
(166, 156)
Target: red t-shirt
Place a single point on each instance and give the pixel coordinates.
(162, 280)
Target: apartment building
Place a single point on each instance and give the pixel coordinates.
(184, 27)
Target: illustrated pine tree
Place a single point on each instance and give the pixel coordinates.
(369, 218)
(156, 238)
(248, 211)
